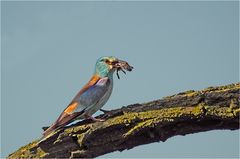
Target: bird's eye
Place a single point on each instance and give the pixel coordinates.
(107, 61)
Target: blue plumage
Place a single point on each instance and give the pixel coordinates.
(93, 95)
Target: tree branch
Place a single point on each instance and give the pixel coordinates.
(185, 113)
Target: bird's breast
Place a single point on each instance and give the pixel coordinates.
(101, 101)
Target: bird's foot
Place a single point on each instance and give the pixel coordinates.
(96, 119)
(93, 118)
(107, 113)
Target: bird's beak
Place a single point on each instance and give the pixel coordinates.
(120, 64)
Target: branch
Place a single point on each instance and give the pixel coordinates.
(185, 113)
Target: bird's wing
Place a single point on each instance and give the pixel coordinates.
(76, 105)
(94, 93)
(88, 96)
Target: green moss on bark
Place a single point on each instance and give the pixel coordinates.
(29, 151)
(184, 113)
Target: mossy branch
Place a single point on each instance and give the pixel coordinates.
(185, 113)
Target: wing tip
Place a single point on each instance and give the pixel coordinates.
(49, 130)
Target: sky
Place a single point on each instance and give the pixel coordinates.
(49, 50)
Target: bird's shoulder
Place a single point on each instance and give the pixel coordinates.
(91, 82)
(89, 93)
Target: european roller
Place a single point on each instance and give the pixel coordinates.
(93, 95)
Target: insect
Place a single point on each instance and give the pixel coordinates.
(122, 66)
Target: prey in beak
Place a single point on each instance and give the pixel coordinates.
(123, 66)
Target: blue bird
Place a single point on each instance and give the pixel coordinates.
(93, 95)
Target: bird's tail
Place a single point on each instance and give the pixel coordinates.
(63, 120)
(50, 129)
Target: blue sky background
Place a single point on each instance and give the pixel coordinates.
(49, 50)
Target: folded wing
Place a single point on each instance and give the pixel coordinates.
(87, 97)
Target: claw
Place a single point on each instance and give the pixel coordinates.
(94, 119)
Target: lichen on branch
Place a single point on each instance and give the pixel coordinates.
(184, 113)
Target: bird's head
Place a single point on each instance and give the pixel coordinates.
(106, 65)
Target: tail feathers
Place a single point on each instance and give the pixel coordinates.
(63, 120)
(50, 129)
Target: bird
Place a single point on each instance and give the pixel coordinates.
(93, 95)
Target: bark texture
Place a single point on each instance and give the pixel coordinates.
(184, 113)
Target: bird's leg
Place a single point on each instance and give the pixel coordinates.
(123, 71)
(92, 118)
